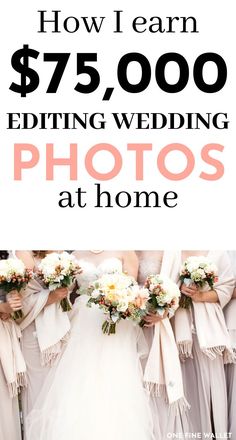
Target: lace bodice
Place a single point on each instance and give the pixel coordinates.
(148, 266)
(91, 272)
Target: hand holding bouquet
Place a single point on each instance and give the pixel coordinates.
(163, 296)
(13, 277)
(119, 297)
(201, 272)
(59, 270)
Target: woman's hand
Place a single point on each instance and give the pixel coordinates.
(5, 316)
(189, 290)
(14, 301)
(197, 295)
(192, 292)
(57, 295)
(152, 318)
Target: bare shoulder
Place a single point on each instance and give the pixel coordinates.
(26, 257)
(129, 255)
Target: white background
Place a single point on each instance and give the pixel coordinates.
(30, 216)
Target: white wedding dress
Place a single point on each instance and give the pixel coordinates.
(95, 392)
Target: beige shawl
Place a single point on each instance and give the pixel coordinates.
(52, 324)
(11, 358)
(230, 318)
(162, 374)
(207, 319)
(230, 309)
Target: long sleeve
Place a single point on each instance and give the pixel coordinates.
(225, 284)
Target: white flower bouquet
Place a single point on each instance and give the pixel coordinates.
(59, 270)
(164, 295)
(119, 297)
(198, 270)
(14, 276)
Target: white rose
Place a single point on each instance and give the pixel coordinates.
(122, 306)
(95, 293)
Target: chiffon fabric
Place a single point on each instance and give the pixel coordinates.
(10, 428)
(168, 420)
(9, 407)
(203, 369)
(45, 331)
(230, 370)
(95, 391)
(9, 412)
(11, 358)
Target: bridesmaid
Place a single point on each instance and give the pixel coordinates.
(204, 343)
(166, 421)
(45, 329)
(12, 366)
(230, 369)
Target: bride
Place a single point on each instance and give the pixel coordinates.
(96, 390)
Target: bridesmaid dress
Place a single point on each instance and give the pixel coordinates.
(9, 412)
(203, 377)
(230, 369)
(38, 369)
(166, 423)
(36, 372)
(9, 407)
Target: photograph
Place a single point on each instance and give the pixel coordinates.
(117, 133)
(140, 344)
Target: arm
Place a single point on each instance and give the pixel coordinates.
(5, 316)
(57, 295)
(27, 258)
(210, 297)
(226, 282)
(5, 308)
(197, 295)
(12, 304)
(152, 318)
(130, 263)
(223, 288)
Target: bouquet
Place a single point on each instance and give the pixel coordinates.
(163, 295)
(14, 276)
(119, 297)
(59, 270)
(198, 270)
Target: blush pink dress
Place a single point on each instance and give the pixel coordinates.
(9, 411)
(204, 378)
(230, 369)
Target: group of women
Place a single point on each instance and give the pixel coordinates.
(174, 378)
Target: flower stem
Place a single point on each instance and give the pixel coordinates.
(65, 305)
(109, 328)
(185, 302)
(17, 315)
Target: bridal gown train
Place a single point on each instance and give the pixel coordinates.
(95, 392)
